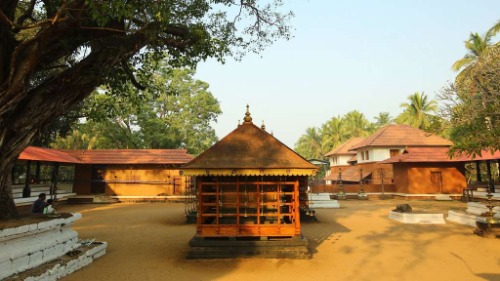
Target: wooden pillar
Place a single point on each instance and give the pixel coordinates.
(296, 207)
(37, 172)
(478, 172)
(199, 215)
(27, 189)
(490, 179)
(53, 186)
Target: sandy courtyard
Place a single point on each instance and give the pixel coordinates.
(355, 242)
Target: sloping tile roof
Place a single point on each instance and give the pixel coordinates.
(436, 154)
(132, 156)
(401, 135)
(350, 174)
(47, 155)
(486, 155)
(107, 156)
(344, 148)
(354, 158)
(249, 147)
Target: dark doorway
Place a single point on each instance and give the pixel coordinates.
(98, 182)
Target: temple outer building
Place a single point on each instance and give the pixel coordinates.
(250, 190)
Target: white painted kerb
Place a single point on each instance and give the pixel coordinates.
(417, 218)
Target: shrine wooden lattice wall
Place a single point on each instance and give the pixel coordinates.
(249, 206)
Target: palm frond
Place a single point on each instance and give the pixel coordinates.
(463, 62)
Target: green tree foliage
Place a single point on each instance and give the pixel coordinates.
(475, 46)
(356, 124)
(382, 119)
(75, 140)
(53, 54)
(315, 143)
(309, 144)
(175, 111)
(419, 112)
(472, 105)
(333, 133)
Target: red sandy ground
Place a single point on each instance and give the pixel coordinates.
(355, 242)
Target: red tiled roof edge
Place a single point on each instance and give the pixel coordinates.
(344, 148)
(137, 156)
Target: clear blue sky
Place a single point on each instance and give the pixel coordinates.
(346, 55)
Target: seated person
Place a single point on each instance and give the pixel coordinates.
(39, 204)
(49, 207)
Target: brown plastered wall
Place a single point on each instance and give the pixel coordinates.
(143, 180)
(401, 178)
(419, 177)
(373, 168)
(137, 180)
(82, 182)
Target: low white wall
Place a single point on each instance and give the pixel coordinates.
(417, 218)
(28, 246)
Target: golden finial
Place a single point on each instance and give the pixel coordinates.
(248, 118)
(263, 127)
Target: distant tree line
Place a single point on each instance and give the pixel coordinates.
(467, 111)
(418, 111)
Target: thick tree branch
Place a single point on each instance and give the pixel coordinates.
(131, 75)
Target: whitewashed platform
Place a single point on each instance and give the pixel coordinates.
(471, 215)
(443, 197)
(417, 218)
(480, 208)
(322, 201)
(462, 218)
(31, 246)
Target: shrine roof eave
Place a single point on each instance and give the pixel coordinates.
(249, 172)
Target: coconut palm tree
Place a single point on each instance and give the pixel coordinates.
(475, 47)
(418, 112)
(309, 144)
(332, 134)
(356, 124)
(382, 119)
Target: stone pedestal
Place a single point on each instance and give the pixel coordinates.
(489, 229)
(290, 248)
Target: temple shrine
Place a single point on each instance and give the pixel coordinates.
(251, 189)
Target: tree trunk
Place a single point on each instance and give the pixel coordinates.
(7, 205)
(11, 147)
(30, 98)
(23, 113)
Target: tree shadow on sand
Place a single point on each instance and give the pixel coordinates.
(321, 228)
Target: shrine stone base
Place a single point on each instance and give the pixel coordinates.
(262, 247)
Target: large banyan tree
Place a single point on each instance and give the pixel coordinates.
(53, 53)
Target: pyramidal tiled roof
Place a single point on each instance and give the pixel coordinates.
(249, 147)
(344, 148)
(401, 135)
